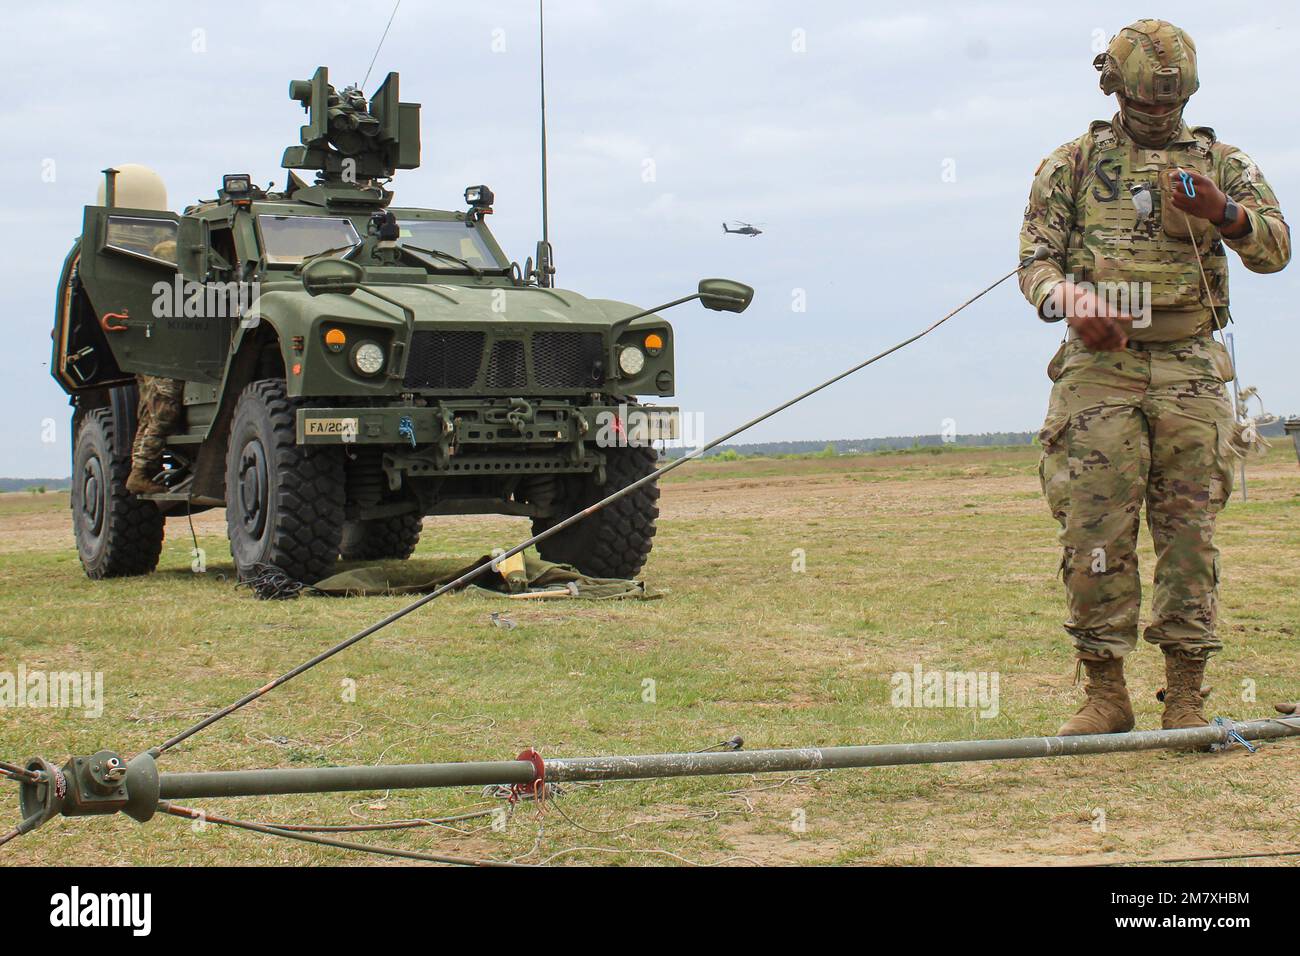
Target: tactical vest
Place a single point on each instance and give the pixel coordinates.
(1127, 230)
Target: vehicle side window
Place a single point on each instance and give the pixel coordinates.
(148, 238)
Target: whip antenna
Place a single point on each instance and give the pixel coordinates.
(545, 268)
(381, 43)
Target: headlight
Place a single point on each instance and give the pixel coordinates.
(368, 358)
(631, 360)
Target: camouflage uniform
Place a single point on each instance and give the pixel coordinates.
(157, 415)
(1151, 424)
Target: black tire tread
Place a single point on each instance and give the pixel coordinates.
(615, 541)
(380, 539)
(134, 528)
(310, 491)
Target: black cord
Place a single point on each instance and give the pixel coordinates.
(190, 814)
(566, 523)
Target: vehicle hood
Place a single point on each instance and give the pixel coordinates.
(441, 303)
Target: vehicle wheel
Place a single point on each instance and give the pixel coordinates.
(284, 501)
(615, 541)
(376, 539)
(117, 533)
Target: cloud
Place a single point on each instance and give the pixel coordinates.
(840, 149)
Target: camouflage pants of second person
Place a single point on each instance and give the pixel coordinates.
(1149, 425)
(157, 415)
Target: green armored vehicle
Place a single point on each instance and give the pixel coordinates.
(351, 365)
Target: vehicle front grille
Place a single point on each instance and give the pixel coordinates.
(568, 359)
(444, 359)
(548, 360)
(506, 365)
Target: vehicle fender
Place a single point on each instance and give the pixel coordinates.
(257, 351)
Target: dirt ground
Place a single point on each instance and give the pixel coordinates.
(943, 561)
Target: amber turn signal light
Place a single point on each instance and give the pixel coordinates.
(335, 340)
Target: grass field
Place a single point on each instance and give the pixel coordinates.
(945, 561)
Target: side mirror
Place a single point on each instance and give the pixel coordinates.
(331, 275)
(720, 295)
(725, 295)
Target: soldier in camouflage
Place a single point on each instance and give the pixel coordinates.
(157, 415)
(1137, 213)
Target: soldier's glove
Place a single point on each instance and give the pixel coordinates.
(1209, 201)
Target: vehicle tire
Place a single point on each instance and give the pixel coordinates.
(117, 533)
(377, 539)
(615, 541)
(284, 501)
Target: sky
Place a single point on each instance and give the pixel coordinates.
(887, 151)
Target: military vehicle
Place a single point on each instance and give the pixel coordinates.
(351, 365)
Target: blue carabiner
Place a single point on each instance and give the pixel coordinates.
(406, 429)
(1188, 186)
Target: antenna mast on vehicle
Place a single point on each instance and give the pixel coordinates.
(545, 269)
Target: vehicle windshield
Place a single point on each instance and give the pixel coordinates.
(452, 238)
(288, 240)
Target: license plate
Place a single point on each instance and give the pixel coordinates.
(344, 429)
(648, 425)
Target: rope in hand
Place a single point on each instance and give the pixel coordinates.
(1205, 280)
(1040, 253)
(1249, 423)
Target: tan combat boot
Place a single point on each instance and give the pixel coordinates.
(1107, 709)
(140, 482)
(1183, 695)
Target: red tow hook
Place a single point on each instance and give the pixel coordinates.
(108, 326)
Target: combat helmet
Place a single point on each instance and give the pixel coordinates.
(1149, 62)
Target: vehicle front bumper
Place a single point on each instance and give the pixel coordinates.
(490, 435)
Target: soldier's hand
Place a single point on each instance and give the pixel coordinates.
(1209, 201)
(1100, 326)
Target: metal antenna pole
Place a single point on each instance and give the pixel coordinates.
(381, 43)
(545, 260)
(247, 783)
(541, 52)
(76, 790)
(1236, 403)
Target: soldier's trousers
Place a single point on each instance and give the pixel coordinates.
(1150, 425)
(157, 415)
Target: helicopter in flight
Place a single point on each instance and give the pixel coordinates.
(743, 229)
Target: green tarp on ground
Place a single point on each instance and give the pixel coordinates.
(536, 576)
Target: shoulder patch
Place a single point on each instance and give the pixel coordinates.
(1204, 140)
(1249, 171)
(1102, 133)
(1043, 176)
